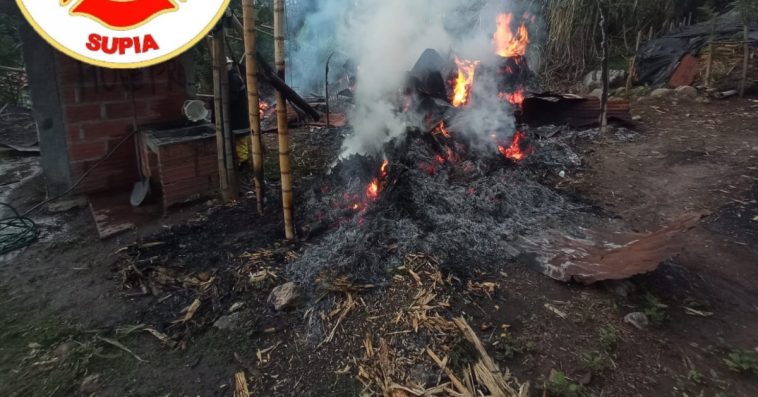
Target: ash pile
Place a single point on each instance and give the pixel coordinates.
(461, 182)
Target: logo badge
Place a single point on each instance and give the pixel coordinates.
(123, 33)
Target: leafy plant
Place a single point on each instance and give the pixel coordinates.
(560, 385)
(654, 309)
(596, 361)
(742, 361)
(695, 376)
(609, 338)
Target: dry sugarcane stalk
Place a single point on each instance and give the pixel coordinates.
(240, 384)
(253, 100)
(745, 61)
(281, 121)
(229, 144)
(217, 49)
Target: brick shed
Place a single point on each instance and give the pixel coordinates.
(83, 112)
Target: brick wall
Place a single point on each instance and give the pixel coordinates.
(188, 170)
(101, 107)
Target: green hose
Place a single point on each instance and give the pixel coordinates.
(16, 231)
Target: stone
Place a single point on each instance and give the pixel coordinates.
(228, 322)
(284, 297)
(637, 319)
(702, 100)
(661, 92)
(597, 93)
(637, 118)
(594, 79)
(686, 91)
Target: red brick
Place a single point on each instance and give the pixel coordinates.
(106, 129)
(87, 150)
(168, 108)
(125, 109)
(78, 113)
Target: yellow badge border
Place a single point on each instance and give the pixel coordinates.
(122, 65)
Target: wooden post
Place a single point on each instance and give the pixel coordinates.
(281, 121)
(604, 46)
(253, 100)
(746, 60)
(219, 67)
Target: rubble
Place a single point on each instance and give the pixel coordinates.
(284, 297)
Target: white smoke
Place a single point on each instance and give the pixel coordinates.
(386, 37)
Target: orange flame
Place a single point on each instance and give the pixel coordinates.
(263, 108)
(514, 151)
(464, 82)
(442, 130)
(514, 98)
(508, 44)
(375, 187)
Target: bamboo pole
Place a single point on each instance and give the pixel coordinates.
(745, 61)
(711, 49)
(604, 46)
(632, 66)
(229, 139)
(217, 49)
(281, 121)
(253, 100)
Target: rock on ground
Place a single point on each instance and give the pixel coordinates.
(285, 296)
(686, 91)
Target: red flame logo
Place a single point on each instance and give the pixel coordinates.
(121, 14)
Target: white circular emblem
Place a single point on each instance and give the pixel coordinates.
(123, 33)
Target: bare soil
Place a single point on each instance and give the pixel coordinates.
(74, 311)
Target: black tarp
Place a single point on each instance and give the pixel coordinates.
(657, 59)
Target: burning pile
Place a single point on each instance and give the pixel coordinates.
(441, 188)
(463, 183)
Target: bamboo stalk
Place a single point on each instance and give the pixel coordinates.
(745, 61)
(604, 46)
(217, 49)
(632, 66)
(281, 121)
(229, 140)
(253, 100)
(711, 49)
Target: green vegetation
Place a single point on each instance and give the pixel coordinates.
(742, 361)
(654, 309)
(560, 385)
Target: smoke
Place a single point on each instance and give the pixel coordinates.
(385, 38)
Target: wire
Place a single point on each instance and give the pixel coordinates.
(16, 231)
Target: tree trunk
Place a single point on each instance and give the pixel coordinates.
(281, 119)
(217, 55)
(253, 100)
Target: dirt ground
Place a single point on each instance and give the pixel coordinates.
(77, 319)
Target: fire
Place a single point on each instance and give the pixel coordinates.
(515, 151)
(514, 98)
(375, 187)
(263, 107)
(464, 82)
(372, 191)
(507, 44)
(442, 130)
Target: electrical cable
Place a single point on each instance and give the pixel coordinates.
(16, 231)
